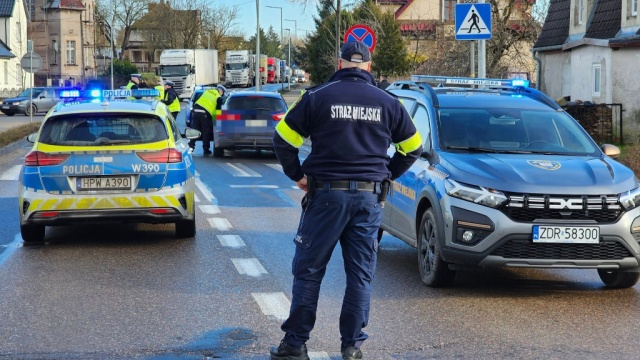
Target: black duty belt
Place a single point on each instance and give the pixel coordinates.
(347, 185)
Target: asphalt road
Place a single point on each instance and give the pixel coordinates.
(135, 292)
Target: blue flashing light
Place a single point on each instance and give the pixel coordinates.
(520, 83)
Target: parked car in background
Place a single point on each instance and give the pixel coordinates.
(247, 121)
(32, 101)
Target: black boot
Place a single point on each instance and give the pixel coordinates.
(350, 352)
(287, 352)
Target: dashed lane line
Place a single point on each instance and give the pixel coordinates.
(249, 267)
(221, 224)
(13, 173)
(233, 241)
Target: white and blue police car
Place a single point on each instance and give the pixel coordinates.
(100, 159)
(509, 179)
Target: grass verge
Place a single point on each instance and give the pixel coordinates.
(18, 133)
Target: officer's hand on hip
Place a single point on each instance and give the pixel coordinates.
(302, 184)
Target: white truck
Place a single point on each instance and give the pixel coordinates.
(188, 68)
(239, 68)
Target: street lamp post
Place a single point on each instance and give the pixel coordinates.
(289, 62)
(295, 23)
(281, 38)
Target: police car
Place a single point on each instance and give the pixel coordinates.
(509, 179)
(105, 160)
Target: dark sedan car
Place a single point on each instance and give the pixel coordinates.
(248, 121)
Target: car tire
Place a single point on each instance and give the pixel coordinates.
(186, 228)
(9, 113)
(618, 279)
(32, 234)
(30, 110)
(218, 152)
(434, 271)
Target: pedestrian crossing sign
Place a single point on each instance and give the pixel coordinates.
(473, 21)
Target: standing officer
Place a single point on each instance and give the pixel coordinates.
(204, 113)
(346, 177)
(171, 98)
(133, 84)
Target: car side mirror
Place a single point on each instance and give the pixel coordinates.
(32, 137)
(190, 133)
(611, 151)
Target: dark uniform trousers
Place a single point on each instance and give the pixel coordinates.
(202, 121)
(353, 218)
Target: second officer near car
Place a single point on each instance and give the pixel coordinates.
(346, 177)
(171, 98)
(204, 115)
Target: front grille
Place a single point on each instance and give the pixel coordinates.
(604, 209)
(526, 249)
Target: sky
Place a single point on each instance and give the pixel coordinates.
(246, 22)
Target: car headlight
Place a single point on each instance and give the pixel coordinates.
(630, 199)
(477, 194)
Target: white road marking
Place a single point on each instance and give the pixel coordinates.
(318, 355)
(234, 241)
(254, 186)
(10, 248)
(13, 173)
(276, 167)
(209, 209)
(250, 267)
(273, 304)
(220, 224)
(239, 170)
(205, 191)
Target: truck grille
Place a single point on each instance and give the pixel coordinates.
(526, 249)
(603, 209)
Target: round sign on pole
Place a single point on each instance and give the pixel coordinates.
(31, 62)
(362, 33)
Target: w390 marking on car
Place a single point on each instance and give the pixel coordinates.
(145, 167)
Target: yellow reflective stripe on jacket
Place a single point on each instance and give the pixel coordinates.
(175, 105)
(411, 144)
(288, 134)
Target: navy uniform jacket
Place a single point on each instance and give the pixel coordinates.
(351, 124)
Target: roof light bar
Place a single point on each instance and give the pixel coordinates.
(469, 81)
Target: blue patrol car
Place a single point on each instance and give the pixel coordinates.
(509, 179)
(103, 160)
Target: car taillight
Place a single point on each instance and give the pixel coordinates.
(277, 117)
(162, 156)
(39, 158)
(227, 116)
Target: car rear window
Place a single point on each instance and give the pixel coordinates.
(256, 103)
(100, 130)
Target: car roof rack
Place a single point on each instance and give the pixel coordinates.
(423, 88)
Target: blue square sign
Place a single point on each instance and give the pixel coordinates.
(473, 21)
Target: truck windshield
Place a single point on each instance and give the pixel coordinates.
(174, 70)
(237, 66)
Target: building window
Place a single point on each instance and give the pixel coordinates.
(449, 10)
(597, 71)
(580, 11)
(71, 52)
(634, 7)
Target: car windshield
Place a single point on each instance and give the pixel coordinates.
(174, 70)
(512, 131)
(256, 103)
(36, 92)
(101, 130)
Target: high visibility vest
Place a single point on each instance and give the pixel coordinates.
(208, 101)
(160, 92)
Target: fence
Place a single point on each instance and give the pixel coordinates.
(602, 121)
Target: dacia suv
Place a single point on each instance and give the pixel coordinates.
(509, 179)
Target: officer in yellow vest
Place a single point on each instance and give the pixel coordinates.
(133, 84)
(204, 115)
(170, 98)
